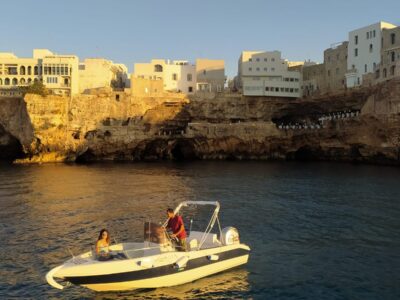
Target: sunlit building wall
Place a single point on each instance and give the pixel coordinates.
(264, 73)
(177, 75)
(364, 52)
(59, 73)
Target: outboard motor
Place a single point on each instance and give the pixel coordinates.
(230, 236)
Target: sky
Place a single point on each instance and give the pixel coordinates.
(129, 31)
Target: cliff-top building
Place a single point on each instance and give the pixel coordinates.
(262, 73)
(177, 75)
(59, 73)
(99, 72)
(364, 52)
(207, 75)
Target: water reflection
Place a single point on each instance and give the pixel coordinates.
(231, 284)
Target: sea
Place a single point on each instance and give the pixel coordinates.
(316, 230)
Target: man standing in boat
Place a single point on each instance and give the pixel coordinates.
(175, 224)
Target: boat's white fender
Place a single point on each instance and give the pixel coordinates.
(181, 262)
(50, 278)
(146, 263)
(213, 257)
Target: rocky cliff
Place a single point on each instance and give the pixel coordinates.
(359, 125)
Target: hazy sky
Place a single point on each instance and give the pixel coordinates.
(136, 31)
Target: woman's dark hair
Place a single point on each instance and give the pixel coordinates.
(170, 210)
(101, 235)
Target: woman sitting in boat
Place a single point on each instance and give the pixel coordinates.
(102, 244)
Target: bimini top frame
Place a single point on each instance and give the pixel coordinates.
(213, 219)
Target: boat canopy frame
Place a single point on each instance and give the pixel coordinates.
(214, 218)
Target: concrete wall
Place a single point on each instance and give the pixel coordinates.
(145, 86)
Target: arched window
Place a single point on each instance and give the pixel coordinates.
(1, 81)
(29, 80)
(158, 68)
(35, 70)
(7, 81)
(22, 81)
(29, 70)
(384, 73)
(393, 38)
(14, 81)
(392, 69)
(35, 80)
(393, 56)
(22, 70)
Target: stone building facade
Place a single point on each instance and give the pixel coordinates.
(313, 79)
(59, 73)
(335, 61)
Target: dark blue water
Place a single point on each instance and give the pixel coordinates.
(317, 231)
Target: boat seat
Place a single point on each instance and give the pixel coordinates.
(210, 240)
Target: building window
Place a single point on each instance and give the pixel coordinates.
(257, 69)
(35, 70)
(250, 69)
(371, 47)
(267, 89)
(272, 69)
(22, 70)
(14, 81)
(355, 52)
(374, 33)
(272, 59)
(29, 70)
(329, 73)
(393, 38)
(276, 89)
(265, 69)
(190, 89)
(393, 56)
(257, 59)
(7, 81)
(356, 39)
(250, 59)
(265, 59)
(384, 73)
(374, 66)
(175, 76)
(189, 77)
(158, 68)
(365, 68)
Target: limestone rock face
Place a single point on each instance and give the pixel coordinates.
(116, 126)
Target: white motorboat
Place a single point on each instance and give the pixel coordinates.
(156, 262)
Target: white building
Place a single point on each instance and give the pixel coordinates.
(99, 72)
(59, 73)
(267, 74)
(364, 52)
(178, 75)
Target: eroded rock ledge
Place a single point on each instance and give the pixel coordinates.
(173, 127)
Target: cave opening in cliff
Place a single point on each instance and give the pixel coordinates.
(183, 150)
(10, 147)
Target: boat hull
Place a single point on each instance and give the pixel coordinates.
(177, 278)
(199, 264)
